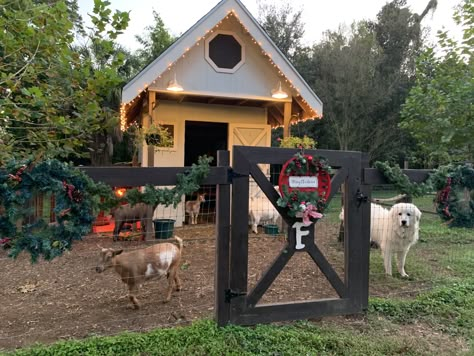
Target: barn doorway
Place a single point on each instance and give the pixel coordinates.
(204, 138)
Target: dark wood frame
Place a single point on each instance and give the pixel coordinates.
(353, 291)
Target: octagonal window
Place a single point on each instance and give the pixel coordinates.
(225, 52)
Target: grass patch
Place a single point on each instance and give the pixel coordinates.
(450, 308)
(205, 338)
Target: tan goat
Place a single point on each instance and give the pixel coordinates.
(193, 207)
(136, 267)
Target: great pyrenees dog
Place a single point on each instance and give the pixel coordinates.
(394, 231)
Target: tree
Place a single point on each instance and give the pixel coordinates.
(284, 26)
(363, 76)
(439, 109)
(155, 41)
(52, 98)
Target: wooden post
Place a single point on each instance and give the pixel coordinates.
(151, 148)
(286, 119)
(239, 235)
(222, 265)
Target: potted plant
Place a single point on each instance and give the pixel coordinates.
(157, 135)
(304, 142)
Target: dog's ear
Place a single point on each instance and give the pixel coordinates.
(417, 214)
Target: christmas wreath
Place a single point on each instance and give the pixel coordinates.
(306, 203)
(455, 194)
(77, 199)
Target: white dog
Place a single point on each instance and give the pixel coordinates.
(401, 233)
(394, 231)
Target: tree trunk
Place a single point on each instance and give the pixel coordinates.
(100, 156)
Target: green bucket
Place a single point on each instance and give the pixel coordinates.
(163, 228)
(271, 229)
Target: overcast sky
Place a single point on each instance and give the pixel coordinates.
(318, 15)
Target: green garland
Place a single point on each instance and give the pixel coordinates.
(401, 182)
(454, 185)
(77, 200)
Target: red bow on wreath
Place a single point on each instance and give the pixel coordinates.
(72, 192)
(17, 176)
(443, 197)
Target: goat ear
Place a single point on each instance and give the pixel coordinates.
(117, 252)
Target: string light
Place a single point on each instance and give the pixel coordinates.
(230, 14)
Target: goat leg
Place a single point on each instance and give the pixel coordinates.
(132, 291)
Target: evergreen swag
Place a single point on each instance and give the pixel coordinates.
(306, 204)
(77, 200)
(454, 185)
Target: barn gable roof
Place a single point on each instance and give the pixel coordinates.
(183, 44)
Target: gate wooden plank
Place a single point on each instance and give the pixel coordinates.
(327, 270)
(270, 275)
(280, 155)
(239, 235)
(374, 176)
(337, 181)
(269, 191)
(357, 234)
(139, 176)
(295, 311)
(222, 269)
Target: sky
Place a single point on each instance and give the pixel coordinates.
(318, 15)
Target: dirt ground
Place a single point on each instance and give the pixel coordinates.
(66, 298)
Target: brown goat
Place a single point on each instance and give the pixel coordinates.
(136, 267)
(132, 213)
(193, 207)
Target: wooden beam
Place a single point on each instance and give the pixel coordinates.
(286, 119)
(150, 150)
(374, 176)
(151, 103)
(138, 176)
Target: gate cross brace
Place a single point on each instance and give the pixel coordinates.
(288, 251)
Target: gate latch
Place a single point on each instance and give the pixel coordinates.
(361, 198)
(229, 294)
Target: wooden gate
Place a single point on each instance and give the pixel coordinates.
(234, 302)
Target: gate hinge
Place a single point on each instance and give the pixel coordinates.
(361, 198)
(229, 294)
(231, 174)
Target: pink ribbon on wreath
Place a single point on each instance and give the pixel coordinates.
(310, 212)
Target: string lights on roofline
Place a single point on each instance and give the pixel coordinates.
(230, 13)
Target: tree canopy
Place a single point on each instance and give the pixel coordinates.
(439, 109)
(54, 96)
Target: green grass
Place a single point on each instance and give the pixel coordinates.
(205, 338)
(450, 309)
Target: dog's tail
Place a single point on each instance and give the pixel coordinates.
(180, 243)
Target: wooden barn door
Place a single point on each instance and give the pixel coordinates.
(236, 303)
(254, 135)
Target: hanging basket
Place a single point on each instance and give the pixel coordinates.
(153, 139)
